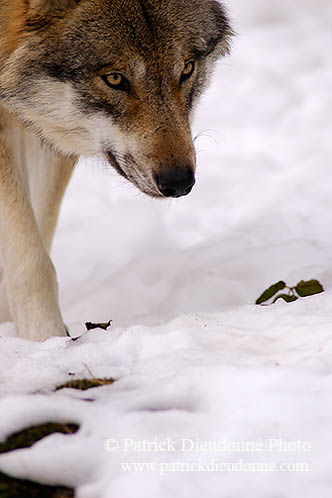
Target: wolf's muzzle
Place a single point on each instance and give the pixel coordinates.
(175, 182)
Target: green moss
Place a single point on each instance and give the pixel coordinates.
(303, 289)
(17, 488)
(84, 384)
(27, 437)
(11, 487)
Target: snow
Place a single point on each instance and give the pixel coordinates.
(194, 358)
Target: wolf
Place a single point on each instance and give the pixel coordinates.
(117, 79)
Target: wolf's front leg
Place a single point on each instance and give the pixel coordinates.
(31, 283)
(4, 310)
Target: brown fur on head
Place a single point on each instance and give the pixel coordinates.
(115, 78)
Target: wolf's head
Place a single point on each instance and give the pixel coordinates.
(117, 78)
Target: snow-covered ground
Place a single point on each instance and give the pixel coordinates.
(202, 372)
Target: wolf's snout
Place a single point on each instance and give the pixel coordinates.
(175, 182)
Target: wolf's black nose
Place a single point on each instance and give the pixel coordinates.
(176, 182)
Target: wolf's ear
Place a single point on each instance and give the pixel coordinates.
(221, 32)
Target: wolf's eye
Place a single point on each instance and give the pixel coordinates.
(116, 81)
(188, 70)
